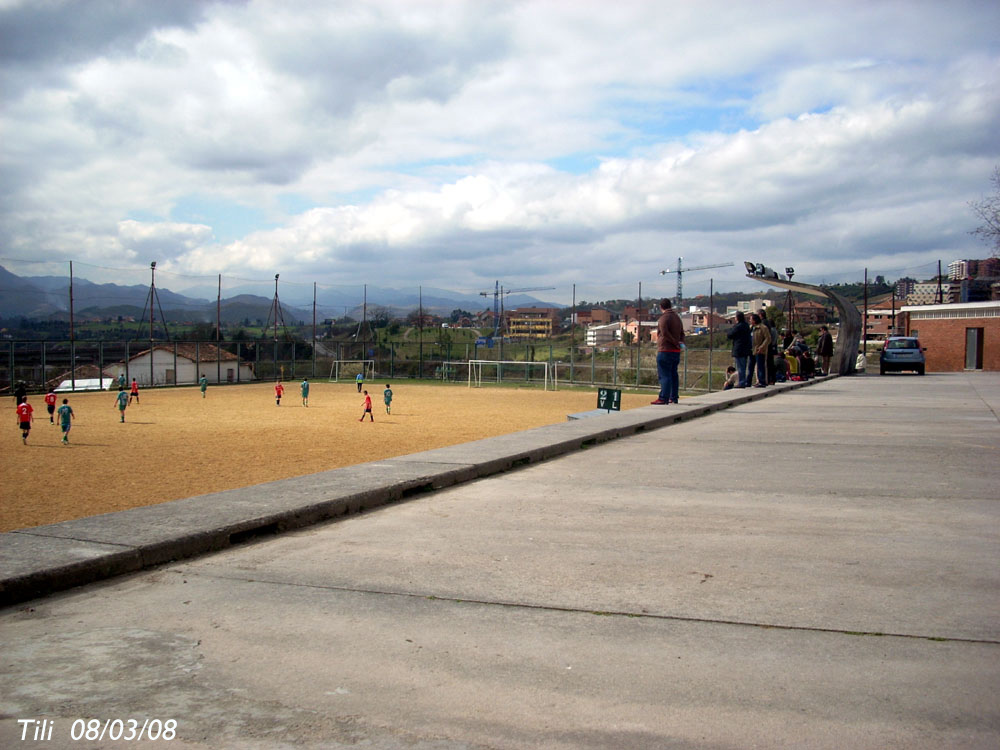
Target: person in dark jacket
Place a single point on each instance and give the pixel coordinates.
(739, 334)
(824, 349)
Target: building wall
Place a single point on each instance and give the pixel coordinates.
(186, 373)
(944, 337)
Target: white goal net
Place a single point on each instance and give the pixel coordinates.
(489, 371)
(348, 369)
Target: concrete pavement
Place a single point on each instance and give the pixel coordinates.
(817, 569)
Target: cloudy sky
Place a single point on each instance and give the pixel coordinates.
(451, 144)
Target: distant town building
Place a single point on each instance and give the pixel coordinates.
(809, 312)
(926, 293)
(532, 322)
(632, 312)
(747, 306)
(603, 335)
(594, 316)
(904, 287)
(881, 323)
(648, 328)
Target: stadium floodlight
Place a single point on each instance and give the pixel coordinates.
(790, 272)
(751, 268)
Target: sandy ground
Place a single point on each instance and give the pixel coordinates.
(175, 444)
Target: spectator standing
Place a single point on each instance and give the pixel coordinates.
(772, 348)
(739, 334)
(824, 350)
(670, 340)
(761, 344)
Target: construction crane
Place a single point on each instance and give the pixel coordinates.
(680, 275)
(498, 295)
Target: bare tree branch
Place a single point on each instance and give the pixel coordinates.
(988, 211)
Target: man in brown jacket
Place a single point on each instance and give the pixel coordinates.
(669, 339)
(761, 343)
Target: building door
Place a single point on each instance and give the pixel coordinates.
(230, 375)
(974, 348)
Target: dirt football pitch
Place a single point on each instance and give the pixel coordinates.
(175, 444)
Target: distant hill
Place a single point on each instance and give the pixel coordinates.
(42, 297)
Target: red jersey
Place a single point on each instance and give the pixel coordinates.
(368, 403)
(50, 399)
(24, 412)
(135, 387)
(279, 390)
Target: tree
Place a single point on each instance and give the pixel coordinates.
(381, 316)
(988, 211)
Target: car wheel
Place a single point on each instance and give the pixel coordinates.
(881, 370)
(920, 371)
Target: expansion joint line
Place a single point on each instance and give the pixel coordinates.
(613, 613)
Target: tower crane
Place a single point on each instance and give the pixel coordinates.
(680, 274)
(498, 295)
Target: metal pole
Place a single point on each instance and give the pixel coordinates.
(72, 338)
(864, 338)
(152, 297)
(314, 333)
(572, 335)
(218, 334)
(420, 333)
(711, 329)
(638, 336)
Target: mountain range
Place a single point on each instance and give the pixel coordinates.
(47, 297)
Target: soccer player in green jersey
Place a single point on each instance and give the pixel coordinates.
(203, 384)
(305, 391)
(122, 401)
(387, 397)
(65, 413)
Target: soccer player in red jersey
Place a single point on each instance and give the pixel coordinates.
(368, 408)
(24, 419)
(279, 391)
(50, 404)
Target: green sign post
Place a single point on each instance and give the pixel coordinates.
(609, 398)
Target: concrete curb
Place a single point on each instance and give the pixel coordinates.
(45, 559)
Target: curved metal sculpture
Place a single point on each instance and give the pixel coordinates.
(845, 351)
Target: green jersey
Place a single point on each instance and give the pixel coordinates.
(203, 383)
(122, 399)
(387, 395)
(305, 389)
(65, 415)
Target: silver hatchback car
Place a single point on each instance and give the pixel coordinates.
(901, 353)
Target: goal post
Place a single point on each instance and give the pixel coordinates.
(496, 371)
(341, 369)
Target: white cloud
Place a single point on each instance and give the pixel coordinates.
(429, 139)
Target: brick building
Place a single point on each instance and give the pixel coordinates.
(594, 317)
(880, 322)
(963, 336)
